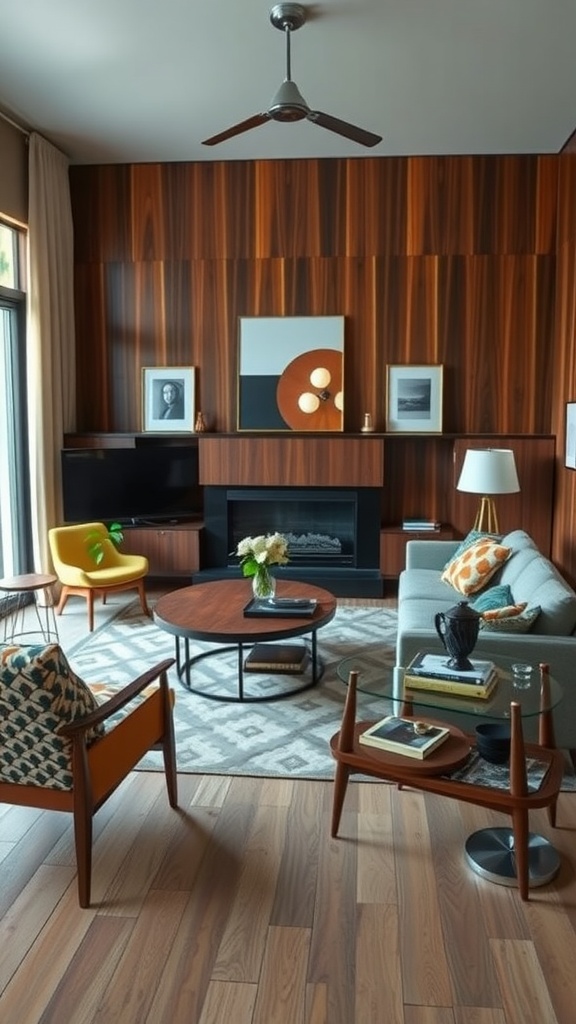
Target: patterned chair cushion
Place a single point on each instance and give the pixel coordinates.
(473, 569)
(39, 693)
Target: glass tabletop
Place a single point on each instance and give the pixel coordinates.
(379, 679)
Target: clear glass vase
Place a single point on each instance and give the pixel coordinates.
(263, 584)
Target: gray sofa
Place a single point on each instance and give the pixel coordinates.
(532, 578)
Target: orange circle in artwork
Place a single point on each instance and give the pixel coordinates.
(295, 382)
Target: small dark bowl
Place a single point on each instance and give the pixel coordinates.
(493, 741)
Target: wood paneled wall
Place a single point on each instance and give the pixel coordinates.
(464, 261)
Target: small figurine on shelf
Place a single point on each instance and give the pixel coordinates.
(368, 426)
(200, 426)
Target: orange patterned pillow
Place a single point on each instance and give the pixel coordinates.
(471, 570)
(508, 612)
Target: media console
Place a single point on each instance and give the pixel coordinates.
(414, 474)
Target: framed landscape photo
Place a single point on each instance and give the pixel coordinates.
(414, 399)
(570, 451)
(168, 398)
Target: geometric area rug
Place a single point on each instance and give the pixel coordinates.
(287, 738)
(282, 738)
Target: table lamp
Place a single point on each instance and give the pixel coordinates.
(488, 471)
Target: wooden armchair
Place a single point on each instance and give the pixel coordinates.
(56, 751)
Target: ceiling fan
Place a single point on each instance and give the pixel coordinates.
(288, 104)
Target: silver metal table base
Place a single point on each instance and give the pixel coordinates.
(490, 853)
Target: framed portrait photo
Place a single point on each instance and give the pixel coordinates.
(168, 398)
(414, 399)
(570, 450)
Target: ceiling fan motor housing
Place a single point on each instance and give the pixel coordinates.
(288, 104)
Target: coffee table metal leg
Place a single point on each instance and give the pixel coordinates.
(240, 672)
(491, 853)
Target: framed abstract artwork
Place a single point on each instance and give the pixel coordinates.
(414, 399)
(168, 398)
(291, 373)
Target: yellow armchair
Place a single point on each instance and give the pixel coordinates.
(79, 575)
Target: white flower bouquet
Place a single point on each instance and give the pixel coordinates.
(257, 553)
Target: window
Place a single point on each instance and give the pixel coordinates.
(9, 257)
(15, 544)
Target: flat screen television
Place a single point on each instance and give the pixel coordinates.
(143, 485)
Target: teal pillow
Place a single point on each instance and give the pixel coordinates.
(471, 539)
(499, 596)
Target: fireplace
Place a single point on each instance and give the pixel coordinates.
(333, 534)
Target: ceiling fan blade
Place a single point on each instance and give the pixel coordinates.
(349, 131)
(237, 129)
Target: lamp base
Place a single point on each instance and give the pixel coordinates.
(486, 518)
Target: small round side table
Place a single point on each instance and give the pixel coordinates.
(30, 617)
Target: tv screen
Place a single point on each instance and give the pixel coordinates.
(151, 483)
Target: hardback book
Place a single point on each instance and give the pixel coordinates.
(467, 688)
(436, 666)
(280, 608)
(420, 524)
(399, 736)
(288, 658)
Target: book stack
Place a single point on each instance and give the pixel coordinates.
(420, 525)
(404, 736)
(284, 658)
(433, 672)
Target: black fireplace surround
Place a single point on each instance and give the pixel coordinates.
(333, 534)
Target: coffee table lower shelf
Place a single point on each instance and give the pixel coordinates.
(312, 674)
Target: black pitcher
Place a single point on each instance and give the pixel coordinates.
(458, 631)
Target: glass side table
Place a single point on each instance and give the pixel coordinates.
(490, 852)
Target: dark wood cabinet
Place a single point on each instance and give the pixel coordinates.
(170, 550)
(393, 541)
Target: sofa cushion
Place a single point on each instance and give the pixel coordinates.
(533, 578)
(521, 623)
(473, 569)
(469, 540)
(509, 611)
(493, 597)
(425, 583)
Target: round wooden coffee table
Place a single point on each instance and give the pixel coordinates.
(214, 612)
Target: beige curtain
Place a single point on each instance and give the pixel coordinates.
(50, 335)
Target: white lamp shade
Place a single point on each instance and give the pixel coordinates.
(489, 471)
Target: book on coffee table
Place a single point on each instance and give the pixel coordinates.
(432, 672)
(280, 608)
(437, 666)
(289, 658)
(450, 686)
(405, 736)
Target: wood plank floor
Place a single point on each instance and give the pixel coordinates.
(238, 908)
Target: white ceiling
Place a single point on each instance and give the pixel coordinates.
(147, 80)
